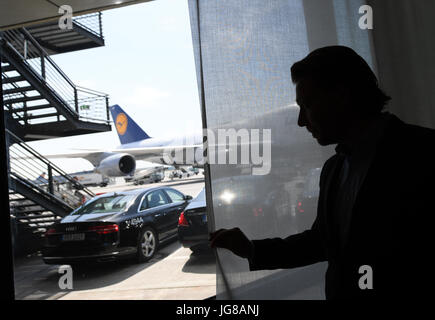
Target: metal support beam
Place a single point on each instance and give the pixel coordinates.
(8, 273)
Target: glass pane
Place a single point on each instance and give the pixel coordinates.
(106, 204)
(155, 199)
(245, 50)
(174, 195)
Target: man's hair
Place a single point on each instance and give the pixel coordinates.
(340, 65)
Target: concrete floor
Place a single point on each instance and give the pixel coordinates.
(173, 273)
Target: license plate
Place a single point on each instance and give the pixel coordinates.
(204, 218)
(73, 237)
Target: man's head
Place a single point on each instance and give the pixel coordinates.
(335, 89)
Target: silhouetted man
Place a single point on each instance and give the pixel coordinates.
(376, 192)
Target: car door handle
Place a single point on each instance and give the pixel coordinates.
(164, 213)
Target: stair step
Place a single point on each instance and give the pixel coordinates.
(21, 223)
(33, 211)
(24, 205)
(8, 68)
(26, 227)
(40, 30)
(39, 107)
(55, 36)
(14, 193)
(23, 99)
(13, 79)
(67, 39)
(11, 197)
(19, 89)
(45, 115)
(26, 223)
(36, 217)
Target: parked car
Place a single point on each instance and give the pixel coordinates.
(251, 202)
(180, 174)
(116, 225)
(149, 178)
(192, 224)
(306, 208)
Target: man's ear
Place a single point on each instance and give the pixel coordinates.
(344, 96)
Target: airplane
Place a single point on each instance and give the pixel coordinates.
(136, 144)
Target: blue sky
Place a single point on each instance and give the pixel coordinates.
(147, 67)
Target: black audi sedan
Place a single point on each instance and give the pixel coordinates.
(192, 225)
(116, 225)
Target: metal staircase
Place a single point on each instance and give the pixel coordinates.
(40, 194)
(86, 32)
(41, 100)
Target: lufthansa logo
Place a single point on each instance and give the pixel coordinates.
(121, 123)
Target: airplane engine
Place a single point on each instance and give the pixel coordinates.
(199, 158)
(117, 165)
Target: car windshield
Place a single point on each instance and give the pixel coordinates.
(115, 203)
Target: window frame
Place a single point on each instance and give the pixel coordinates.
(145, 199)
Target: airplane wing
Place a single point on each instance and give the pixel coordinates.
(95, 156)
(150, 152)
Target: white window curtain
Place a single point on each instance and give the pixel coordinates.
(403, 37)
(244, 50)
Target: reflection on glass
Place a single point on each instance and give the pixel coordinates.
(227, 196)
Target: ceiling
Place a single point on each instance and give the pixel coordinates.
(19, 13)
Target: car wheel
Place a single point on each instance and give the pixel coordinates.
(147, 244)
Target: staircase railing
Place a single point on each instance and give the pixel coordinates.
(41, 173)
(14, 95)
(38, 60)
(91, 22)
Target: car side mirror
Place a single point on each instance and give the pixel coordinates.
(187, 197)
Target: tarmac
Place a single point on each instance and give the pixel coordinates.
(174, 272)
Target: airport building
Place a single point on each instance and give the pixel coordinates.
(288, 187)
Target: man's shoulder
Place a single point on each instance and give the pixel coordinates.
(404, 136)
(327, 166)
(397, 126)
(407, 148)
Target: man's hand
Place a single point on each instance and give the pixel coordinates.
(233, 240)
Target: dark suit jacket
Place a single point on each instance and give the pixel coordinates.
(389, 229)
